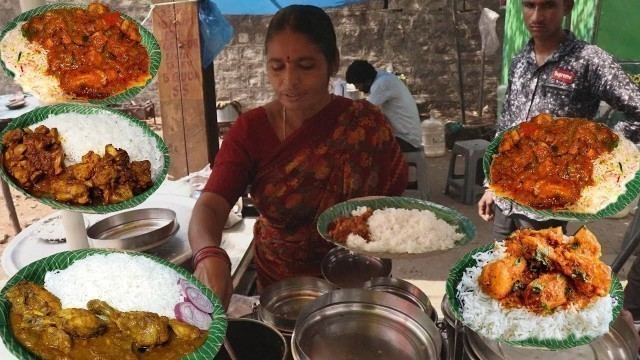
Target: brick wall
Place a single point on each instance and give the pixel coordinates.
(416, 36)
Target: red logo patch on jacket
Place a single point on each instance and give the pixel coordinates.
(563, 75)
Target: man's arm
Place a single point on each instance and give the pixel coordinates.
(613, 85)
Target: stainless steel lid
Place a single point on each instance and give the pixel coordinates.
(364, 324)
(405, 290)
(282, 302)
(138, 230)
(346, 269)
(617, 344)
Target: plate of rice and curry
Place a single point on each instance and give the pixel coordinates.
(395, 227)
(69, 52)
(565, 168)
(538, 289)
(83, 157)
(88, 304)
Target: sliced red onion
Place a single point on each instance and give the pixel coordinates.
(195, 296)
(188, 313)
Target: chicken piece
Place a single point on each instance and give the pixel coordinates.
(538, 251)
(184, 330)
(497, 278)
(146, 329)
(142, 176)
(64, 188)
(130, 29)
(584, 242)
(75, 322)
(546, 293)
(340, 229)
(97, 9)
(27, 296)
(79, 82)
(509, 141)
(57, 339)
(589, 275)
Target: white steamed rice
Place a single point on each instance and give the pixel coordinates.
(28, 62)
(611, 172)
(404, 231)
(126, 282)
(80, 133)
(484, 314)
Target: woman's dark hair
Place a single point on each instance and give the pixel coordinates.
(307, 20)
(360, 71)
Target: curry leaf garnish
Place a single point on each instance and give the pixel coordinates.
(536, 287)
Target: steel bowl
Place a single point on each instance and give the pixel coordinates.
(346, 269)
(364, 324)
(405, 290)
(282, 302)
(137, 230)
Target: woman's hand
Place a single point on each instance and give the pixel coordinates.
(214, 273)
(485, 206)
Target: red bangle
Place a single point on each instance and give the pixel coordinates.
(211, 251)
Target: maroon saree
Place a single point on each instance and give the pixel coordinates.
(345, 151)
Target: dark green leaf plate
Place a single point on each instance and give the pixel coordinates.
(36, 271)
(148, 41)
(632, 191)
(455, 276)
(40, 114)
(451, 216)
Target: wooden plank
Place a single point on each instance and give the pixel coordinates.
(190, 62)
(164, 29)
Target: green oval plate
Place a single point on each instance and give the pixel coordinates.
(148, 41)
(455, 276)
(35, 272)
(451, 216)
(632, 191)
(40, 114)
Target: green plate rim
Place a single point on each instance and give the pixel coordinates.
(41, 113)
(456, 273)
(632, 191)
(447, 214)
(62, 260)
(148, 41)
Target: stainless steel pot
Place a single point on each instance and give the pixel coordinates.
(346, 269)
(405, 290)
(364, 324)
(282, 302)
(454, 331)
(617, 344)
(253, 339)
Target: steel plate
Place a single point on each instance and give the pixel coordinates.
(364, 324)
(137, 230)
(346, 269)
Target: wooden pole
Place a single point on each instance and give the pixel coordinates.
(8, 200)
(181, 87)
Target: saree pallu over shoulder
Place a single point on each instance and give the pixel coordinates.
(347, 150)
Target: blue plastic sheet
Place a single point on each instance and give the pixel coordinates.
(266, 7)
(215, 30)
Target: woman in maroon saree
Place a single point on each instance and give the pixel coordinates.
(301, 154)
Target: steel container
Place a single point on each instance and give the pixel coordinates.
(346, 269)
(464, 343)
(253, 339)
(364, 324)
(138, 230)
(282, 302)
(405, 290)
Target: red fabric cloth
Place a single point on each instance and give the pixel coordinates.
(345, 151)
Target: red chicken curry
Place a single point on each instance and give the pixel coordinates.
(95, 53)
(545, 162)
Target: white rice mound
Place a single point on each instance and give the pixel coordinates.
(126, 282)
(80, 133)
(28, 62)
(483, 314)
(404, 231)
(611, 172)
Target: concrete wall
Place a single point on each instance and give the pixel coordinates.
(416, 36)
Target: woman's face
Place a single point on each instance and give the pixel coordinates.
(298, 72)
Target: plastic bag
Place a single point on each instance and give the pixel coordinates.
(215, 31)
(490, 42)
